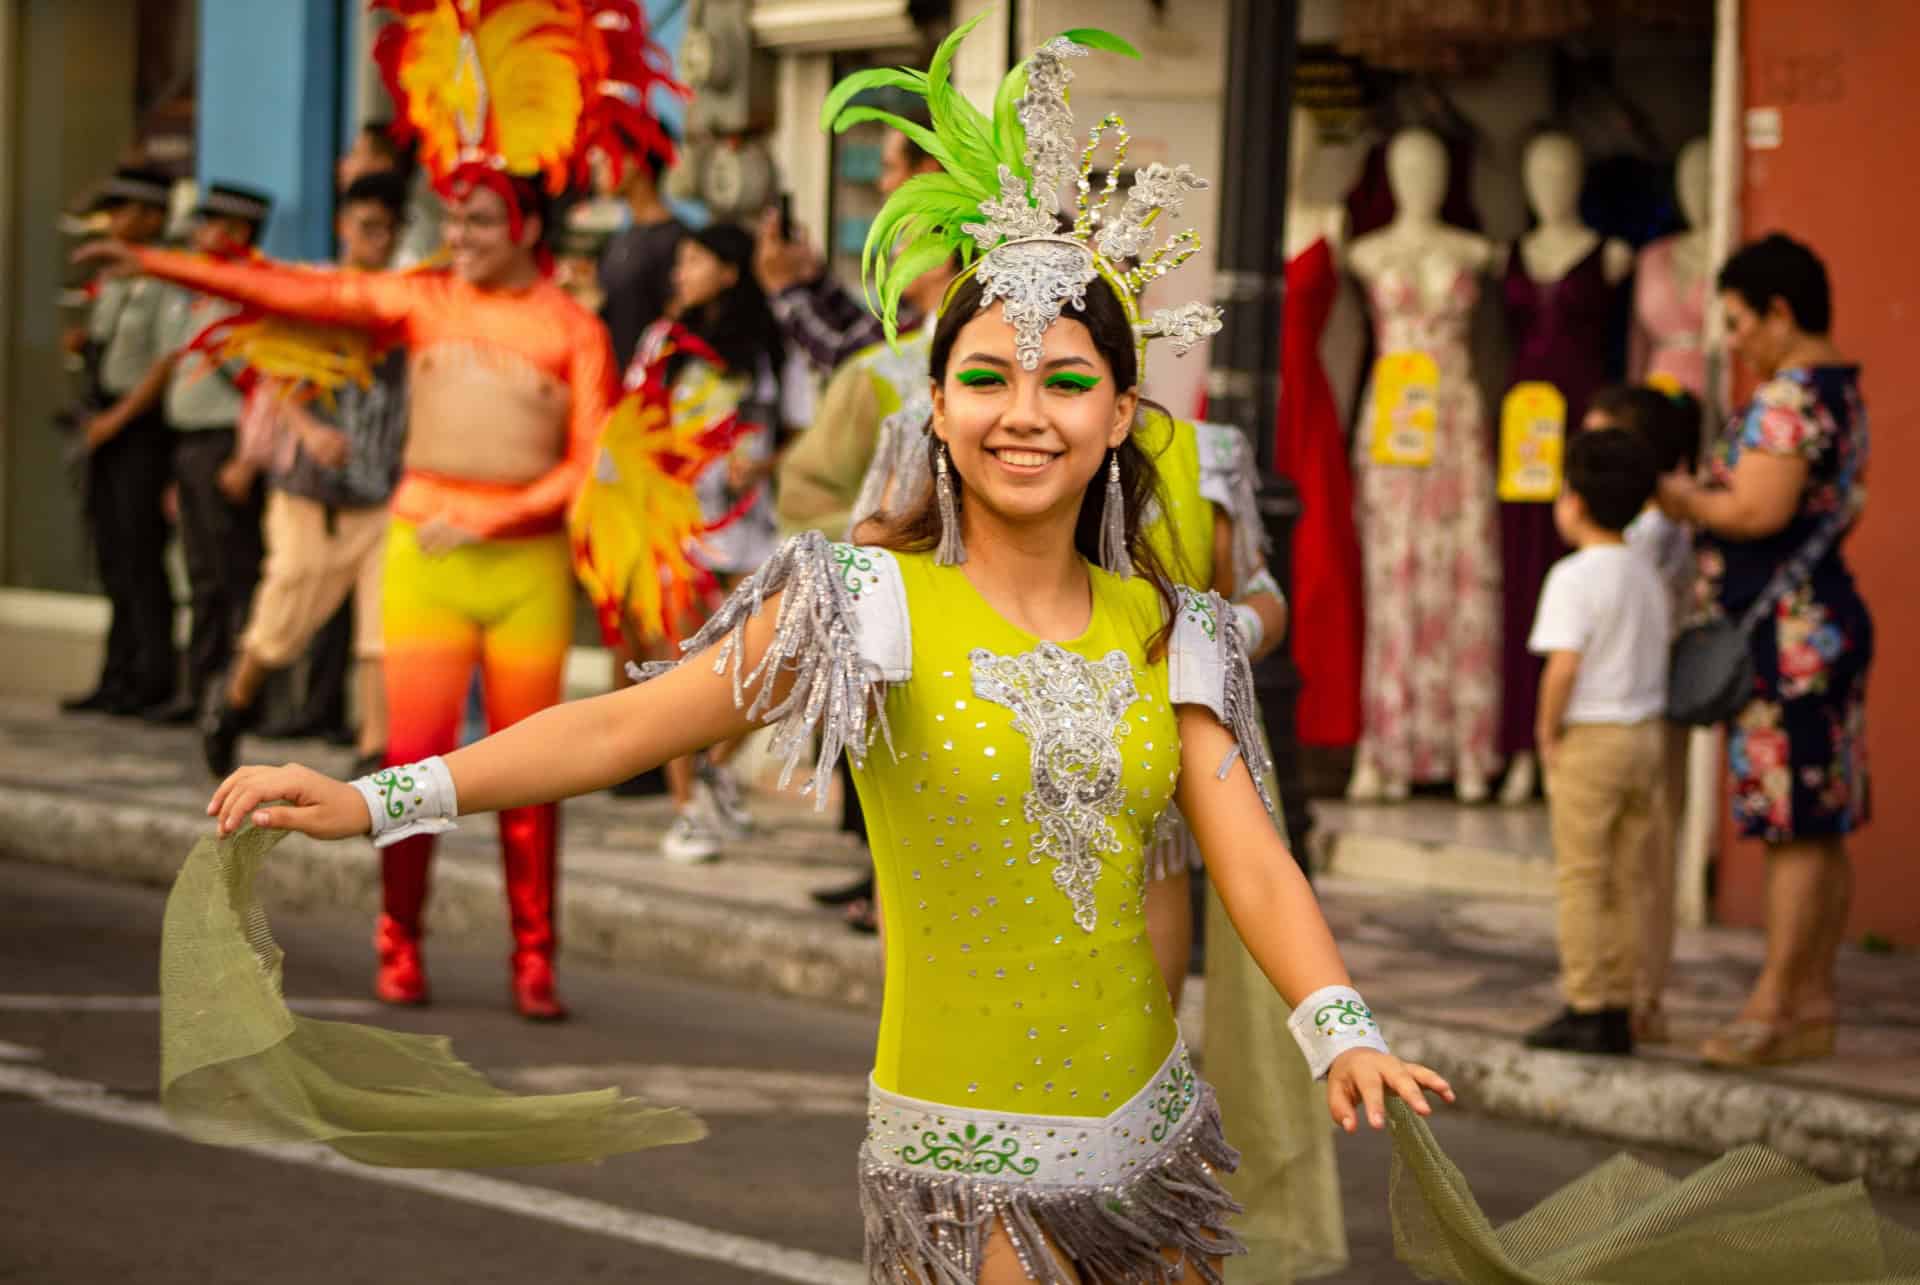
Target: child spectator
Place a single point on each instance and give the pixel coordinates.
(1603, 626)
(1670, 423)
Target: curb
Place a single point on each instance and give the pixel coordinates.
(1648, 1103)
(1636, 1101)
(750, 947)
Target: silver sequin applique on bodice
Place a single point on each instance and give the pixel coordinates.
(1073, 712)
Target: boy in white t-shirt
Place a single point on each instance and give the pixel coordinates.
(1670, 422)
(1603, 625)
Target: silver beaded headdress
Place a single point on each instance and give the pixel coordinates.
(997, 200)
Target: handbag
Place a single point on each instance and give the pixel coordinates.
(1710, 675)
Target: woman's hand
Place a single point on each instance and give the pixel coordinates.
(1676, 492)
(1366, 1075)
(116, 258)
(303, 799)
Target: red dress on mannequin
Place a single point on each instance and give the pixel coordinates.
(1326, 619)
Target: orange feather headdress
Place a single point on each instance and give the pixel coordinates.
(501, 90)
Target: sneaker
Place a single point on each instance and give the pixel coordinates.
(1608, 1032)
(729, 801)
(690, 841)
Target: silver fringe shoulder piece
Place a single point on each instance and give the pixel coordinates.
(1227, 480)
(840, 637)
(1207, 665)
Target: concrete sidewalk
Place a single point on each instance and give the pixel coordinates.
(1455, 978)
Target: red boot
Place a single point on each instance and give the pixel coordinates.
(402, 977)
(529, 849)
(533, 994)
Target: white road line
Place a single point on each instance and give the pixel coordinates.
(774, 1262)
(708, 1090)
(151, 1004)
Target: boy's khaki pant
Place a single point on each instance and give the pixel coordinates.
(1601, 797)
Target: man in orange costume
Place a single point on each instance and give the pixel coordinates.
(509, 381)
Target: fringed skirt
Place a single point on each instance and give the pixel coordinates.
(1107, 1193)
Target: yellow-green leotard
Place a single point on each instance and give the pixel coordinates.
(1008, 844)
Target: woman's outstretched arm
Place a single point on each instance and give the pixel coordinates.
(572, 748)
(1274, 911)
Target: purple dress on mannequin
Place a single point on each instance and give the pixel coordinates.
(1561, 337)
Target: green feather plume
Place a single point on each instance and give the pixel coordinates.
(920, 224)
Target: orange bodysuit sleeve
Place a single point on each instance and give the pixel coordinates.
(364, 299)
(590, 382)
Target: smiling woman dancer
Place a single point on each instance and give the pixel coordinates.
(1040, 695)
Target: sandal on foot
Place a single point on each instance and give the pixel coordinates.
(1749, 1042)
(1810, 1038)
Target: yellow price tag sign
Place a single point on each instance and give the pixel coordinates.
(1406, 409)
(1533, 432)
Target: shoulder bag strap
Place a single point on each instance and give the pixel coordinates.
(1795, 571)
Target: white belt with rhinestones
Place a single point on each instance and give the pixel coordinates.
(1005, 1147)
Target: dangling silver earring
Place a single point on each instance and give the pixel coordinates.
(950, 553)
(1113, 524)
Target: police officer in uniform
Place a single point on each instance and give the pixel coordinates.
(129, 463)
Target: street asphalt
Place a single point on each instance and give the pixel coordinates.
(94, 1189)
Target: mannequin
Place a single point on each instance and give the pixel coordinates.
(1550, 170)
(1670, 294)
(1309, 220)
(1310, 450)
(1559, 289)
(1428, 531)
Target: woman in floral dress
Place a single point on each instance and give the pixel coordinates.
(1787, 464)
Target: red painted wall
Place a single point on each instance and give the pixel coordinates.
(1844, 180)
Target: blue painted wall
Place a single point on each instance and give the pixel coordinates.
(269, 116)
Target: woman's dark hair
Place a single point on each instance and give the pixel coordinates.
(1779, 267)
(1611, 470)
(1670, 422)
(737, 323)
(918, 529)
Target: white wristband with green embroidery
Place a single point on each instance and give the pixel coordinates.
(1252, 628)
(1329, 1022)
(417, 798)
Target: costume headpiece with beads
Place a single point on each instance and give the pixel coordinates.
(996, 202)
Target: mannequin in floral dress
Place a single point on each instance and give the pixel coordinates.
(1430, 695)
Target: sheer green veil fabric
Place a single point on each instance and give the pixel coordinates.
(1751, 1216)
(236, 1067)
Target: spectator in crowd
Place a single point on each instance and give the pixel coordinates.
(322, 709)
(818, 316)
(719, 354)
(220, 494)
(636, 267)
(1670, 423)
(129, 464)
(1783, 485)
(375, 151)
(326, 513)
(1603, 626)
